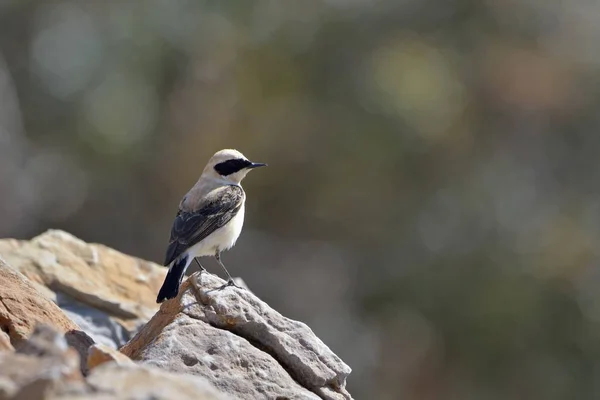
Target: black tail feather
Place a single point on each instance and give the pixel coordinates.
(170, 287)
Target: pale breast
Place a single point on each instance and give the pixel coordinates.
(222, 239)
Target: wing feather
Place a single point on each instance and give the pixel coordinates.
(215, 210)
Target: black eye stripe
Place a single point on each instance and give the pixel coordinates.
(231, 166)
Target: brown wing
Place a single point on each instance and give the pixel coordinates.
(189, 228)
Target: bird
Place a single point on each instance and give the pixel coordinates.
(209, 220)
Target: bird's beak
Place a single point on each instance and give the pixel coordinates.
(256, 165)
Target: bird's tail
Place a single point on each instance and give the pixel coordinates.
(170, 287)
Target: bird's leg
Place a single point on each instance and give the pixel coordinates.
(202, 269)
(230, 281)
(193, 281)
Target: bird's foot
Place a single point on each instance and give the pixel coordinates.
(230, 282)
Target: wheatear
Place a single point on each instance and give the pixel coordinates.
(210, 218)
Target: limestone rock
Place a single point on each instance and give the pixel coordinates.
(81, 342)
(108, 292)
(99, 354)
(135, 382)
(22, 307)
(244, 347)
(46, 368)
(98, 324)
(44, 363)
(206, 343)
(5, 343)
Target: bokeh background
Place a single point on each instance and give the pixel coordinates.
(432, 205)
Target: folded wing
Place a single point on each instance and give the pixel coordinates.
(214, 211)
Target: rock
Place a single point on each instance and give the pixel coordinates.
(5, 344)
(42, 364)
(109, 293)
(135, 382)
(205, 344)
(46, 368)
(22, 307)
(99, 325)
(99, 354)
(229, 362)
(244, 347)
(81, 342)
(292, 343)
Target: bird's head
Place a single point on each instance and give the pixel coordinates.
(229, 165)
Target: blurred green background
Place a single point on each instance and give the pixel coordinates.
(431, 208)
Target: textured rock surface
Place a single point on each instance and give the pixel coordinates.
(45, 363)
(22, 307)
(229, 362)
(99, 354)
(99, 325)
(240, 344)
(45, 367)
(5, 344)
(109, 293)
(205, 344)
(81, 342)
(134, 382)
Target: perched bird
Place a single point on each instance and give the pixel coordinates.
(210, 218)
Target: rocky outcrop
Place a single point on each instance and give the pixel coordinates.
(243, 346)
(45, 367)
(142, 382)
(42, 364)
(66, 305)
(99, 354)
(107, 293)
(22, 307)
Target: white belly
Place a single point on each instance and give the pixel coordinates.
(222, 239)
